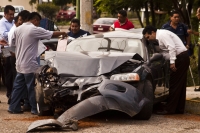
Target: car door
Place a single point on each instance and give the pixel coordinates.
(160, 72)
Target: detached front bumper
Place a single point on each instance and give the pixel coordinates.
(115, 95)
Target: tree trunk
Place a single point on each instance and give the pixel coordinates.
(139, 18)
(146, 13)
(152, 12)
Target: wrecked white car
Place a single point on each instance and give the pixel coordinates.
(118, 70)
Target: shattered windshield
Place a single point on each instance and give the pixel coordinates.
(123, 45)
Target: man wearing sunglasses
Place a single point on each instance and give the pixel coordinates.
(171, 44)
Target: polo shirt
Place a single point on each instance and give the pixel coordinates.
(170, 43)
(26, 38)
(180, 31)
(78, 34)
(127, 25)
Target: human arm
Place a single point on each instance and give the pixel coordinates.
(58, 33)
(112, 28)
(3, 42)
(193, 32)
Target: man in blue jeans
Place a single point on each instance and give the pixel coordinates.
(26, 38)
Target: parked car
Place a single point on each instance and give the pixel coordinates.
(17, 10)
(116, 70)
(66, 14)
(102, 25)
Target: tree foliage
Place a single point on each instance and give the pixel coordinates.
(62, 2)
(48, 9)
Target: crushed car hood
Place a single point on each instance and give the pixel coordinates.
(87, 63)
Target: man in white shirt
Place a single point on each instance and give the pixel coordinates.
(179, 64)
(26, 38)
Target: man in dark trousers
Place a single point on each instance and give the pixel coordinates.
(6, 24)
(171, 44)
(25, 38)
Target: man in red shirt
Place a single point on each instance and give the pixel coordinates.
(122, 21)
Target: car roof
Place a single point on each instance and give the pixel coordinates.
(120, 33)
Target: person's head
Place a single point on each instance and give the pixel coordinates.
(174, 17)
(9, 12)
(149, 32)
(16, 20)
(34, 18)
(75, 25)
(198, 13)
(23, 16)
(121, 16)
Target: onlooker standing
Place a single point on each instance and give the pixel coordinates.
(26, 38)
(122, 21)
(19, 20)
(75, 30)
(5, 25)
(179, 63)
(178, 28)
(4, 43)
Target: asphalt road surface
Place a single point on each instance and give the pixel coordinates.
(107, 122)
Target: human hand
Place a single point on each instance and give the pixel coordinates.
(173, 67)
(3, 42)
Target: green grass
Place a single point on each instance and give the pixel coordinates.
(62, 23)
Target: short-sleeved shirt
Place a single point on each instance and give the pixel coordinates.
(10, 34)
(180, 31)
(127, 25)
(26, 38)
(79, 34)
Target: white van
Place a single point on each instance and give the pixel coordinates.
(17, 10)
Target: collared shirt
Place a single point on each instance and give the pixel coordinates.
(5, 27)
(127, 25)
(26, 38)
(170, 43)
(79, 34)
(10, 34)
(180, 31)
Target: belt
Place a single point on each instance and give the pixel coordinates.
(182, 53)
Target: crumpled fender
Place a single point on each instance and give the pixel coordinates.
(128, 100)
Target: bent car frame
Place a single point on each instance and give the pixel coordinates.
(116, 70)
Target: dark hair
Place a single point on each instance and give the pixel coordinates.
(16, 18)
(24, 14)
(123, 13)
(173, 12)
(34, 15)
(148, 29)
(75, 20)
(7, 8)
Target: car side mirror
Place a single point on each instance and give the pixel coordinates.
(155, 57)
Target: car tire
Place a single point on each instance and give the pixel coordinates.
(147, 110)
(42, 108)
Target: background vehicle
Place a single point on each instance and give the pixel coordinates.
(118, 70)
(66, 14)
(17, 10)
(102, 25)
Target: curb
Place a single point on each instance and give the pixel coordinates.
(192, 106)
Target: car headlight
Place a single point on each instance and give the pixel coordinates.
(126, 77)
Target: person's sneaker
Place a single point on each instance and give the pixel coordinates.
(26, 108)
(15, 112)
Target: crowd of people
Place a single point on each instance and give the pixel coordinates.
(23, 33)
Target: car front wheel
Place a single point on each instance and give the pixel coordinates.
(147, 109)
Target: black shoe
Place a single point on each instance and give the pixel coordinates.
(26, 109)
(163, 112)
(15, 112)
(9, 100)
